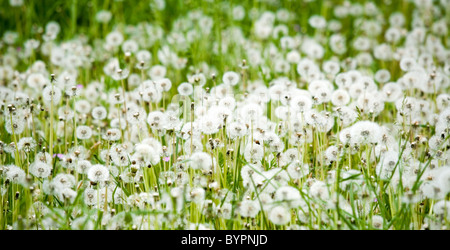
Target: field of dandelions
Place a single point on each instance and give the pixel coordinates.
(258, 115)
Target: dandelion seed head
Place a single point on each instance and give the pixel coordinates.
(103, 16)
(43, 157)
(114, 38)
(40, 169)
(185, 89)
(441, 207)
(253, 153)
(62, 181)
(99, 113)
(365, 132)
(279, 215)
(319, 190)
(340, 97)
(83, 166)
(26, 144)
(249, 208)
(83, 132)
(201, 160)
(98, 173)
(14, 174)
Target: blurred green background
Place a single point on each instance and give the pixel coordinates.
(79, 15)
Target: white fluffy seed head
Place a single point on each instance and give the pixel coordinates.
(279, 215)
(365, 132)
(40, 169)
(98, 173)
(83, 132)
(201, 160)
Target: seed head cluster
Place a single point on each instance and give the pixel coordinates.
(239, 116)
